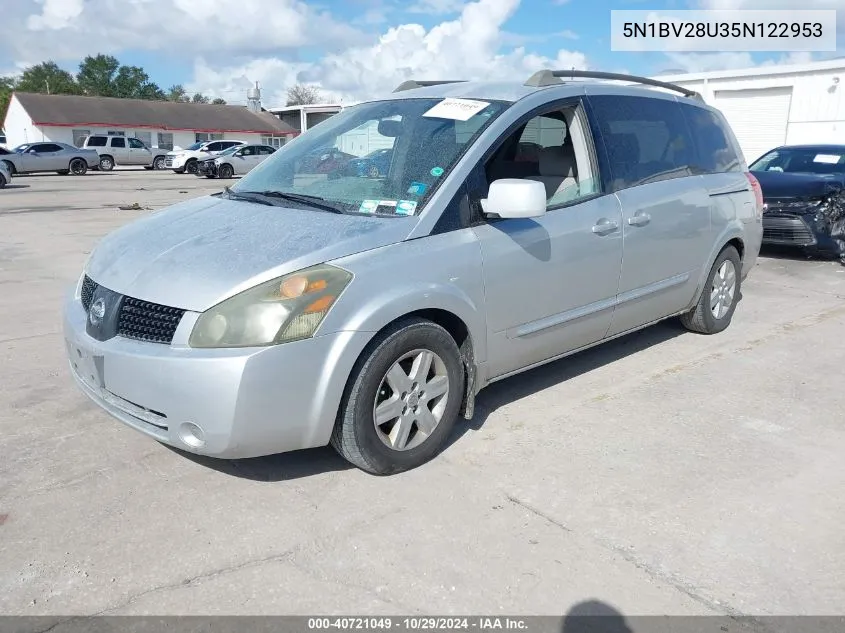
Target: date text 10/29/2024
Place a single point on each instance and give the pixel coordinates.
(420, 623)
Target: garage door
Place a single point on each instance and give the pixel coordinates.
(758, 117)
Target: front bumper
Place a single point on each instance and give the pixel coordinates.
(245, 402)
(207, 168)
(802, 230)
(174, 162)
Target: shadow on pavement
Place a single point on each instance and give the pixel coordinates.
(594, 616)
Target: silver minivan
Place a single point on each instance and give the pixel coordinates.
(516, 224)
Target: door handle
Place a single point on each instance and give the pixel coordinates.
(639, 219)
(604, 226)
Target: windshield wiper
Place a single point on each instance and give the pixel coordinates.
(312, 201)
(231, 195)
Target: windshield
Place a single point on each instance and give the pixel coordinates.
(231, 150)
(802, 160)
(425, 145)
(193, 147)
(21, 148)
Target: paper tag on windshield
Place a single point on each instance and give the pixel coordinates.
(826, 158)
(456, 109)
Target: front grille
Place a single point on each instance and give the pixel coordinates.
(789, 230)
(137, 319)
(147, 321)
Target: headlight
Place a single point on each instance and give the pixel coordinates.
(285, 309)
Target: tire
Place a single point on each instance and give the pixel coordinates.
(106, 163)
(702, 319)
(78, 167)
(225, 172)
(191, 167)
(158, 163)
(356, 436)
(373, 172)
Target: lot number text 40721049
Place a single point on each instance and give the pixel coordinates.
(421, 623)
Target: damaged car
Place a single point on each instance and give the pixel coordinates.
(804, 197)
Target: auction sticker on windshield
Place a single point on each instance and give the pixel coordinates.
(827, 158)
(406, 207)
(456, 109)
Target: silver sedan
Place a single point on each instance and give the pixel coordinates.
(49, 156)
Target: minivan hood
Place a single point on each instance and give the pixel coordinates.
(197, 253)
(777, 184)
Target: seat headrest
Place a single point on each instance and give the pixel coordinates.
(557, 161)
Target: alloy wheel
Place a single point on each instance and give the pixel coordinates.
(411, 400)
(723, 289)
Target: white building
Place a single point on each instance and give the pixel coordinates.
(303, 117)
(165, 124)
(777, 105)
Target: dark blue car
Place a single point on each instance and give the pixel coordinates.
(374, 165)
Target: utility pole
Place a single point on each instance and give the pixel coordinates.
(47, 83)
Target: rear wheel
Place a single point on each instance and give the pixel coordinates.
(78, 167)
(715, 308)
(225, 171)
(403, 399)
(106, 163)
(191, 167)
(158, 163)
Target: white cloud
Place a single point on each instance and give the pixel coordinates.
(774, 5)
(468, 47)
(221, 28)
(703, 62)
(436, 7)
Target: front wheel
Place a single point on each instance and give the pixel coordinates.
(403, 399)
(225, 171)
(78, 167)
(191, 167)
(715, 308)
(158, 163)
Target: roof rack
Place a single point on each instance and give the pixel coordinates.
(551, 77)
(411, 84)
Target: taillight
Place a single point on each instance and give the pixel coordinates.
(758, 192)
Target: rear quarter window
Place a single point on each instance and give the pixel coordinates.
(713, 138)
(647, 139)
(96, 141)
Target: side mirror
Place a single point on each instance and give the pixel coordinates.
(389, 128)
(515, 198)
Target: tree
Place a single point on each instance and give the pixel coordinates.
(198, 98)
(177, 93)
(132, 82)
(96, 76)
(218, 101)
(301, 94)
(48, 78)
(7, 86)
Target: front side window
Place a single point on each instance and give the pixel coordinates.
(248, 151)
(324, 161)
(561, 158)
(134, 143)
(646, 138)
(803, 160)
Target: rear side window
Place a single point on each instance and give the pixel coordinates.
(647, 139)
(118, 142)
(716, 152)
(97, 141)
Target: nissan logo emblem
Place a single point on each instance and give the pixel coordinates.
(97, 311)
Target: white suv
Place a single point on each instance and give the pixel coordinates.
(185, 160)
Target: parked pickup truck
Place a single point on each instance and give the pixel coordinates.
(122, 150)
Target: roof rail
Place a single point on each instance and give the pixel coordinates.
(411, 84)
(551, 77)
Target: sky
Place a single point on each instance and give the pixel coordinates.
(352, 48)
